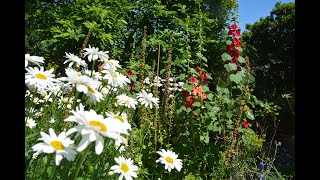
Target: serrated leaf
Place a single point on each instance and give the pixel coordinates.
(188, 86)
(196, 104)
(226, 57)
(236, 78)
(205, 89)
(193, 71)
(230, 67)
(241, 60)
(210, 96)
(182, 76)
(196, 111)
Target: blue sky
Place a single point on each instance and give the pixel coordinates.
(250, 11)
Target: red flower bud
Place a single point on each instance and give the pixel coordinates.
(245, 124)
(193, 79)
(198, 68)
(185, 93)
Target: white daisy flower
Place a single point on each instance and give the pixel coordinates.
(115, 79)
(39, 78)
(61, 145)
(33, 59)
(73, 59)
(125, 167)
(30, 122)
(81, 81)
(95, 75)
(93, 127)
(122, 119)
(126, 101)
(169, 159)
(93, 54)
(147, 99)
(94, 94)
(110, 65)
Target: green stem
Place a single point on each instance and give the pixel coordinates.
(96, 165)
(75, 100)
(92, 68)
(47, 165)
(80, 163)
(53, 174)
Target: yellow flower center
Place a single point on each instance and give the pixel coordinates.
(114, 75)
(90, 89)
(41, 76)
(79, 74)
(119, 118)
(57, 145)
(110, 62)
(27, 123)
(169, 160)
(103, 128)
(127, 101)
(124, 167)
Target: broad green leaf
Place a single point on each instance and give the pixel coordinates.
(210, 96)
(205, 89)
(196, 104)
(230, 67)
(241, 60)
(188, 86)
(226, 57)
(182, 76)
(236, 78)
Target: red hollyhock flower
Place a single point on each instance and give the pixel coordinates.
(232, 28)
(245, 124)
(236, 42)
(196, 115)
(188, 105)
(185, 93)
(235, 53)
(193, 79)
(230, 48)
(129, 73)
(199, 78)
(236, 32)
(234, 61)
(204, 75)
(191, 99)
(205, 81)
(198, 68)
